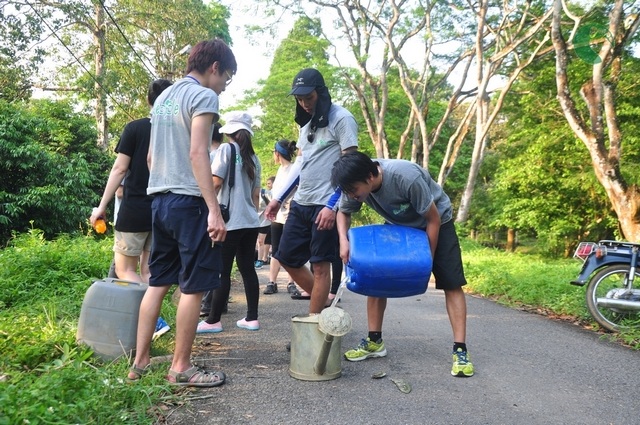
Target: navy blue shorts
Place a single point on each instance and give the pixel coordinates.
(301, 240)
(447, 261)
(181, 250)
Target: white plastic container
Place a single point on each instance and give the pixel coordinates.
(109, 317)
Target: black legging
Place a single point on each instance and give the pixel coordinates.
(336, 275)
(239, 244)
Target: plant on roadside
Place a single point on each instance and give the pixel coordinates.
(45, 376)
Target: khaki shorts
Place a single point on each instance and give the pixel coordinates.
(131, 244)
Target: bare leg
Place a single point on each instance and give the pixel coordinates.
(260, 246)
(147, 318)
(263, 253)
(317, 283)
(145, 274)
(375, 313)
(274, 271)
(127, 268)
(457, 311)
(187, 318)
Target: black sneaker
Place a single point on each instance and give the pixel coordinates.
(292, 289)
(271, 288)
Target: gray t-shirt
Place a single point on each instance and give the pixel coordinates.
(320, 154)
(243, 214)
(405, 195)
(171, 116)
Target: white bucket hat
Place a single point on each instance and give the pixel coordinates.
(236, 120)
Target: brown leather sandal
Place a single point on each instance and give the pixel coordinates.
(138, 372)
(196, 377)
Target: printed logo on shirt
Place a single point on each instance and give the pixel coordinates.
(401, 209)
(165, 110)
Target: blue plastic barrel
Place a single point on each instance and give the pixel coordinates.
(388, 261)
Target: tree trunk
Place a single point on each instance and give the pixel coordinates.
(601, 133)
(511, 240)
(100, 91)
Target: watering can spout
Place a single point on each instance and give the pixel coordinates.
(321, 362)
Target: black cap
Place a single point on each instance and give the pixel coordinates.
(306, 81)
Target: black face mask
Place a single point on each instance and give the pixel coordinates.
(321, 117)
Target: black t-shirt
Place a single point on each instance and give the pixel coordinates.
(134, 214)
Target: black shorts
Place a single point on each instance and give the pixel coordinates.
(181, 251)
(302, 242)
(447, 262)
(266, 230)
(276, 235)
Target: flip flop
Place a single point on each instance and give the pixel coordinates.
(298, 296)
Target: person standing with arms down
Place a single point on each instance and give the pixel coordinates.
(186, 215)
(326, 132)
(242, 227)
(404, 193)
(132, 239)
(264, 232)
(283, 153)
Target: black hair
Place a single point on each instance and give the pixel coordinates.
(155, 88)
(289, 148)
(217, 136)
(351, 168)
(205, 53)
(243, 139)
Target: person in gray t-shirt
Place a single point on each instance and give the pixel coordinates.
(186, 219)
(404, 193)
(309, 235)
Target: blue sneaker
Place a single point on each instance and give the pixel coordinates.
(161, 328)
(258, 264)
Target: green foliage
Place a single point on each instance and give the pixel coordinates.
(53, 170)
(158, 31)
(47, 377)
(538, 177)
(19, 60)
(32, 268)
(71, 390)
(519, 279)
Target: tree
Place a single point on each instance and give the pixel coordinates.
(52, 169)
(382, 39)
(110, 51)
(596, 121)
(508, 39)
(19, 55)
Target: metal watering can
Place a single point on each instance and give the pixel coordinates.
(316, 343)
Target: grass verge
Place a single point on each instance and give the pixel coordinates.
(45, 377)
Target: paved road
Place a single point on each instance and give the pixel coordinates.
(529, 370)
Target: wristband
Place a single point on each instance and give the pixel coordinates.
(332, 204)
